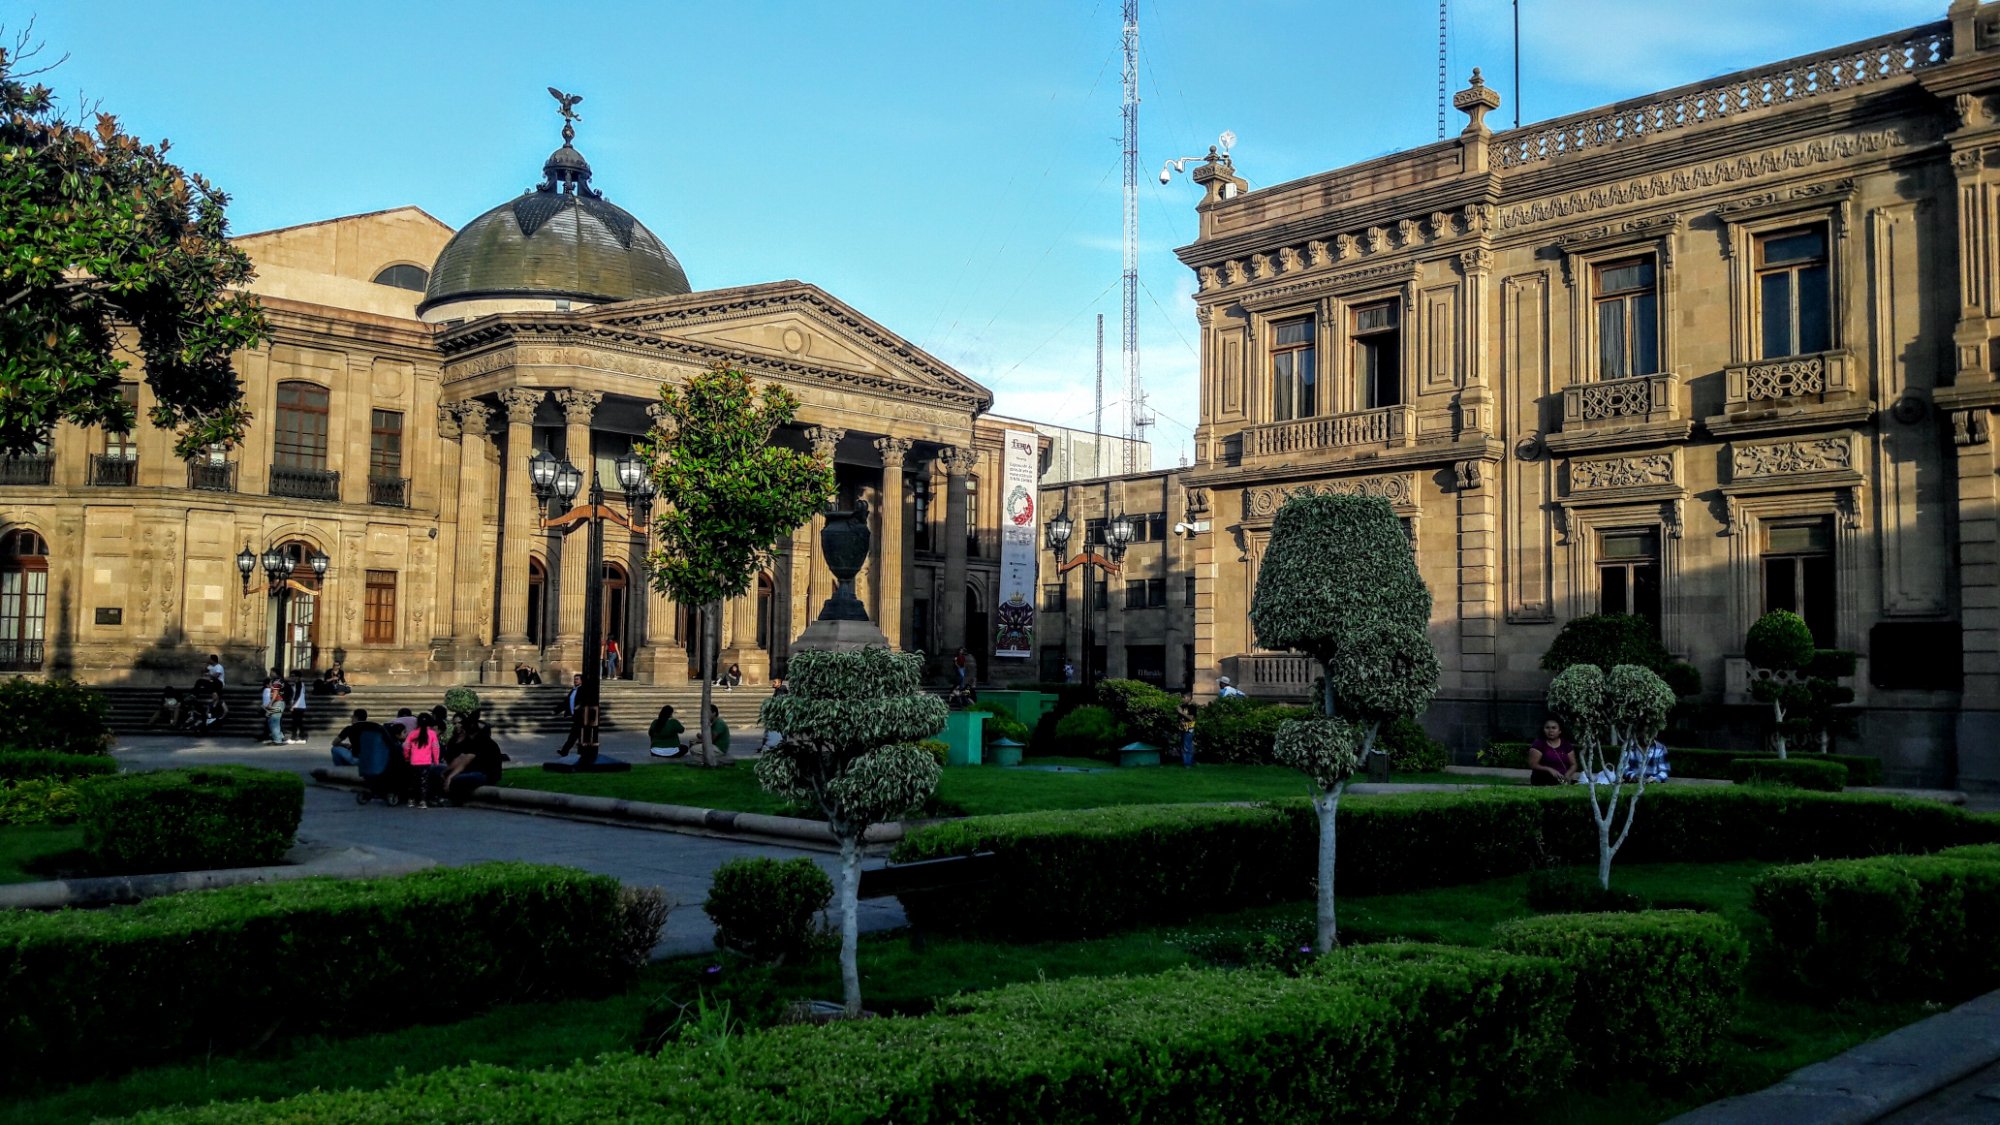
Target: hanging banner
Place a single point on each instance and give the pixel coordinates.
(1014, 637)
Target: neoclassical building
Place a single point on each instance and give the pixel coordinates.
(1699, 355)
(413, 372)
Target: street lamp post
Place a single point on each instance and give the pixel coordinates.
(279, 566)
(1118, 535)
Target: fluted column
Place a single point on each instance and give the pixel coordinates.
(472, 620)
(444, 615)
(957, 464)
(893, 559)
(521, 525)
(579, 407)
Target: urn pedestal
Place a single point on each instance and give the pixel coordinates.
(843, 621)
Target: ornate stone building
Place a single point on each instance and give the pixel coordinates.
(1696, 356)
(413, 373)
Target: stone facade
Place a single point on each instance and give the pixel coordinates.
(1698, 355)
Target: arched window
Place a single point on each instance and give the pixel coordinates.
(24, 599)
(300, 441)
(405, 277)
(301, 625)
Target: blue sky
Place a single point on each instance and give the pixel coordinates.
(949, 168)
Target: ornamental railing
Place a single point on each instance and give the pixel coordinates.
(1388, 426)
(212, 476)
(1702, 103)
(31, 469)
(305, 484)
(17, 655)
(1274, 675)
(114, 469)
(1640, 398)
(1792, 378)
(389, 492)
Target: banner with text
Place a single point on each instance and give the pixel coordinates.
(1014, 637)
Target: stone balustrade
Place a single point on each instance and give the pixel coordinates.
(1787, 379)
(1274, 675)
(1390, 425)
(1641, 398)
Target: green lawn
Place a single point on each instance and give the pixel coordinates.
(966, 791)
(1771, 1038)
(21, 845)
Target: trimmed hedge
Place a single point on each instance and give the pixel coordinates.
(1149, 714)
(1241, 730)
(764, 909)
(1799, 773)
(1095, 871)
(1434, 1035)
(1411, 749)
(190, 819)
(1715, 764)
(58, 715)
(1656, 990)
(18, 764)
(87, 992)
(1089, 732)
(1901, 926)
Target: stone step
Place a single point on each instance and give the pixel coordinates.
(510, 709)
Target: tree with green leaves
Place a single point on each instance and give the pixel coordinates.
(101, 234)
(1340, 584)
(1800, 680)
(727, 493)
(1611, 717)
(851, 723)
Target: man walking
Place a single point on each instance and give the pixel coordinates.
(571, 707)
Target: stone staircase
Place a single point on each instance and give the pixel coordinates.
(627, 706)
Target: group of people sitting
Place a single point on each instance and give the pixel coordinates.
(446, 756)
(1553, 760)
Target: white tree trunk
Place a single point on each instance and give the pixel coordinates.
(1779, 710)
(1327, 804)
(850, 886)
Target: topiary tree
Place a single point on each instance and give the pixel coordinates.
(1608, 716)
(1780, 645)
(1610, 639)
(852, 721)
(1339, 583)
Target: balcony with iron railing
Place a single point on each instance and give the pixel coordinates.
(19, 654)
(305, 484)
(1361, 429)
(389, 492)
(212, 476)
(33, 468)
(114, 469)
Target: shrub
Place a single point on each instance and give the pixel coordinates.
(190, 819)
(1095, 871)
(1799, 773)
(1893, 926)
(1655, 990)
(1410, 749)
(216, 970)
(55, 714)
(1714, 764)
(16, 764)
(1001, 723)
(1504, 755)
(1432, 1035)
(767, 910)
(1241, 730)
(37, 800)
(1147, 713)
(1089, 732)
(1607, 640)
(1565, 890)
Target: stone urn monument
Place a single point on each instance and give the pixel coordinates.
(843, 621)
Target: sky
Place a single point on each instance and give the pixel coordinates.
(949, 168)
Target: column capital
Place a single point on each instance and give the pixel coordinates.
(579, 406)
(956, 459)
(824, 440)
(521, 404)
(475, 419)
(448, 420)
(893, 450)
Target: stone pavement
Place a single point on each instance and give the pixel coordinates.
(682, 865)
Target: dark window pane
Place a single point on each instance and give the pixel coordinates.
(1776, 297)
(1282, 407)
(1308, 390)
(1795, 246)
(1611, 590)
(1780, 584)
(1646, 592)
(1821, 615)
(1611, 350)
(1286, 332)
(1916, 655)
(1645, 335)
(1815, 315)
(1375, 317)
(1387, 387)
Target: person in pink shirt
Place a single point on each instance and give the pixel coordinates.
(425, 751)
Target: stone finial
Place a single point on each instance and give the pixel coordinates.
(521, 404)
(579, 407)
(893, 450)
(1476, 101)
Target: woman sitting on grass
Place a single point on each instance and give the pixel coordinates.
(1551, 758)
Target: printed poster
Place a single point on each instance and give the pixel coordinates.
(1014, 637)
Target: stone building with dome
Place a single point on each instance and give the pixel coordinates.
(412, 373)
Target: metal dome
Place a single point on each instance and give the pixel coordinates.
(560, 240)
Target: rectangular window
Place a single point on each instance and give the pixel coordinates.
(385, 443)
(1135, 594)
(1378, 356)
(1146, 664)
(1156, 593)
(1190, 592)
(920, 497)
(378, 618)
(1053, 594)
(300, 438)
(1294, 378)
(1799, 575)
(1628, 573)
(1093, 532)
(1156, 527)
(120, 444)
(1101, 599)
(1628, 320)
(1794, 293)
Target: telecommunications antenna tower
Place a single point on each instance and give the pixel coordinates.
(1136, 418)
(1097, 425)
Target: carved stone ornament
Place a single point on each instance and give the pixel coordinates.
(521, 404)
(448, 426)
(579, 407)
(1643, 471)
(1346, 246)
(1968, 160)
(1477, 258)
(1969, 427)
(1399, 489)
(1409, 232)
(1791, 458)
(957, 462)
(1467, 474)
(893, 450)
(1197, 502)
(1318, 253)
(824, 439)
(475, 419)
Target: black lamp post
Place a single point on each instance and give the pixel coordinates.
(1118, 535)
(279, 566)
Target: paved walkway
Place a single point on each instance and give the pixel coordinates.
(680, 864)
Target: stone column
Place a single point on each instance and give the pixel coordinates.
(1478, 578)
(894, 558)
(740, 635)
(1978, 733)
(957, 463)
(443, 616)
(471, 622)
(579, 407)
(521, 522)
